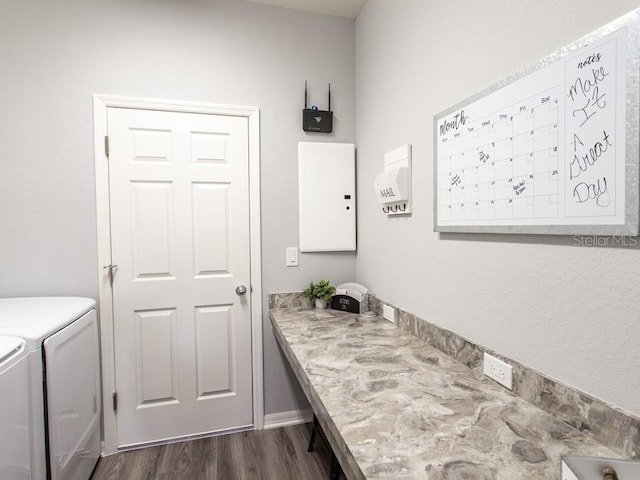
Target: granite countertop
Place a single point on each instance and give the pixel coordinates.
(393, 407)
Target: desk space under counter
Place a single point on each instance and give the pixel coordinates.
(394, 407)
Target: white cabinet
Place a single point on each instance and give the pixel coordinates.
(327, 200)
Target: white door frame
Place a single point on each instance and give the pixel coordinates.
(100, 105)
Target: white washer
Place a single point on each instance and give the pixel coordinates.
(61, 335)
(15, 454)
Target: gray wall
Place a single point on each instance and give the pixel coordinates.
(55, 55)
(570, 312)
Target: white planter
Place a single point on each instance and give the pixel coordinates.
(321, 303)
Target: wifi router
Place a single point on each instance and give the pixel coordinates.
(314, 120)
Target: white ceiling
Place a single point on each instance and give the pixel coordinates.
(338, 8)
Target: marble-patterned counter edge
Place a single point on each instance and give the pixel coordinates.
(338, 445)
(603, 422)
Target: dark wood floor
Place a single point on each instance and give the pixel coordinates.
(278, 454)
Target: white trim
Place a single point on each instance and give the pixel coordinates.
(285, 419)
(100, 105)
(255, 229)
(105, 300)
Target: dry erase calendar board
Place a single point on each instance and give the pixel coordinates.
(551, 150)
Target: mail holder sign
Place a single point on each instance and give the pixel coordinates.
(393, 186)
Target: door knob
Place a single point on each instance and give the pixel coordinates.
(241, 290)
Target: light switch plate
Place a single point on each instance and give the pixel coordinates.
(292, 256)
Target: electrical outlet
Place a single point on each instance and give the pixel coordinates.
(389, 313)
(498, 371)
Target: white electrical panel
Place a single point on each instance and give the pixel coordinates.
(327, 200)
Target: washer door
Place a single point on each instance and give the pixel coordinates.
(72, 367)
(15, 451)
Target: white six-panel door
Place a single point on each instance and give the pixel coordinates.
(179, 202)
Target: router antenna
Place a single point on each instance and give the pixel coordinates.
(305, 94)
(329, 97)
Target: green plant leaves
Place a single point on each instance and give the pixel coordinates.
(323, 290)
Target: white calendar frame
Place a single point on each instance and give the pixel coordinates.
(627, 220)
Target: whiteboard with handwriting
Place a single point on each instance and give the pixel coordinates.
(553, 150)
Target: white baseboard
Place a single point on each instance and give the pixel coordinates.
(285, 419)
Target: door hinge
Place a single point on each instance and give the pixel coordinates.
(112, 269)
(115, 401)
(106, 146)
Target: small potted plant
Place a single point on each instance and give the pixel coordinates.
(320, 293)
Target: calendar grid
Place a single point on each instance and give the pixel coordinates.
(503, 166)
